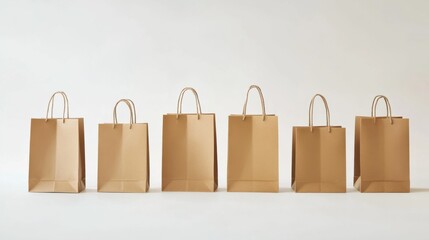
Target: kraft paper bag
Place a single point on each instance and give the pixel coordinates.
(253, 151)
(382, 153)
(319, 156)
(57, 152)
(123, 154)
(189, 152)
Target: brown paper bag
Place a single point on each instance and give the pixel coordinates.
(382, 152)
(189, 153)
(123, 154)
(253, 151)
(57, 152)
(319, 156)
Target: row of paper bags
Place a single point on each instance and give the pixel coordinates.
(189, 152)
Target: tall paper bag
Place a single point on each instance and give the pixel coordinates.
(189, 150)
(382, 154)
(57, 152)
(123, 154)
(253, 151)
(319, 156)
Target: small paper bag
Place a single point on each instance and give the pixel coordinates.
(123, 154)
(189, 150)
(253, 151)
(57, 152)
(319, 156)
(382, 154)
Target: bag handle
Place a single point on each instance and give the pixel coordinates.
(132, 109)
(376, 98)
(51, 106)
(197, 101)
(261, 96)
(310, 112)
(388, 107)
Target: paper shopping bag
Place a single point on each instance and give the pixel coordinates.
(253, 151)
(123, 154)
(189, 153)
(382, 153)
(319, 156)
(57, 152)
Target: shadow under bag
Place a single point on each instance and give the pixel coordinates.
(319, 156)
(253, 151)
(57, 152)
(123, 154)
(189, 150)
(382, 154)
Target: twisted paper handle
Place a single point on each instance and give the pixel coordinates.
(51, 106)
(310, 112)
(132, 109)
(197, 101)
(388, 107)
(261, 96)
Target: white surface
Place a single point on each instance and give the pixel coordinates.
(100, 51)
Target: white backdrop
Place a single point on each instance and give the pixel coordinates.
(101, 51)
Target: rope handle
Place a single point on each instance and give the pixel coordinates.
(388, 108)
(131, 107)
(180, 100)
(51, 106)
(310, 112)
(261, 96)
